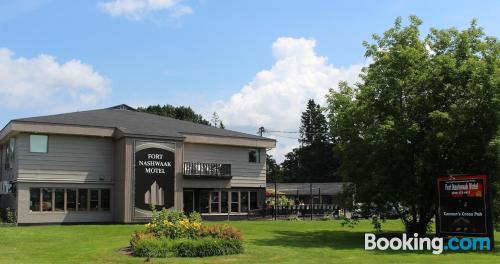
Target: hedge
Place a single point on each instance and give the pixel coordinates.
(201, 247)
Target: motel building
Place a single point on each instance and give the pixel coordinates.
(112, 165)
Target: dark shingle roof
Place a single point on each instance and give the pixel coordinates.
(133, 122)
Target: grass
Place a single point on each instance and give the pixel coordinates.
(265, 242)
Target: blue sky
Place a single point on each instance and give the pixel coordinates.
(254, 62)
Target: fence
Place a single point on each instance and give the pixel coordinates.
(304, 211)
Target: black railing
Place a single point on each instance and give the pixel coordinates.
(302, 211)
(207, 169)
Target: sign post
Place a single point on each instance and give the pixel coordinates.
(464, 207)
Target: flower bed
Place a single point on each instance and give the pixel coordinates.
(173, 234)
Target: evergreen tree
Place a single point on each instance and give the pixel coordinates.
(314, 161)
(215, 119)
(274, 172)
(314, 128)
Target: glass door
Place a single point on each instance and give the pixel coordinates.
(188, 201)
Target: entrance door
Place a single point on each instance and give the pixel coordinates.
(188, 201)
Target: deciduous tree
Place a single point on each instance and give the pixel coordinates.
(424, 107)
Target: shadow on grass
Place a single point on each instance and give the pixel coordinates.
(315, 239)
(342, 240)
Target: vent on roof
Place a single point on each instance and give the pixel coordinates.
(123, 107)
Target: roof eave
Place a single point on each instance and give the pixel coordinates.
(229, 141)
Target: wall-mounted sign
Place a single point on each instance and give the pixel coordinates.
(154, 177)
(463, 206)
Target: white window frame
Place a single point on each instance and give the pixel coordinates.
(32, 136)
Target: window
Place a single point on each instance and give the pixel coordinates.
(224, 202)
(244, 201)
(235, 201)
(253, 200)
(38, 143)
(204, 199)
(71, 199)
(46, 199)
(228, 201)
(9, 154)
(59, 199)
(82, 199)
(214, 202)
(254, 156)
(35, 200)
(105, 200)
(94, 200)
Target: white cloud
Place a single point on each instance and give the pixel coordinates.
(141, 9)
(275, 98)
(43, 83)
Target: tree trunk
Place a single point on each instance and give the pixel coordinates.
(418, 223)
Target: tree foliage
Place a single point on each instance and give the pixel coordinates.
(424, 107)
(274, 172)
(314, 128)
(216, 122)
(314, 161)
(177, 112)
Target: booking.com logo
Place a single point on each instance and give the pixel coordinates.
(436, 244)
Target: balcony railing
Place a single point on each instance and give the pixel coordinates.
(200, 169)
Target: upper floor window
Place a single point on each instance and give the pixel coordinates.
(39, 143)
(254, 155)
(9, 154)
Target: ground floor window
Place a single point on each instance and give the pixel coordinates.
(226, 201)
(59, 199)
(204, 199)
(35, 200)
(244, 201)
(94, 200)
(105, 200)
(214, 202)
(69, 199)
(82, 203)
(235, 201)
(46, 199)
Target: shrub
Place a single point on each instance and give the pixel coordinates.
(7, 215)
(172, 233)
(221, 231)
(174, 224)
(150, 247)
(294, 218)
(140, 235)
(202, 247)
(327, 217)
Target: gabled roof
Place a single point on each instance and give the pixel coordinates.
(131, 122)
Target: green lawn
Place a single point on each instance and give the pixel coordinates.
(265, 242)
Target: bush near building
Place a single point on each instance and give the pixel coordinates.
(173, 234)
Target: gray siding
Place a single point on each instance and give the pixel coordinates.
(245, 174)
(69, 159)
(121, 167)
